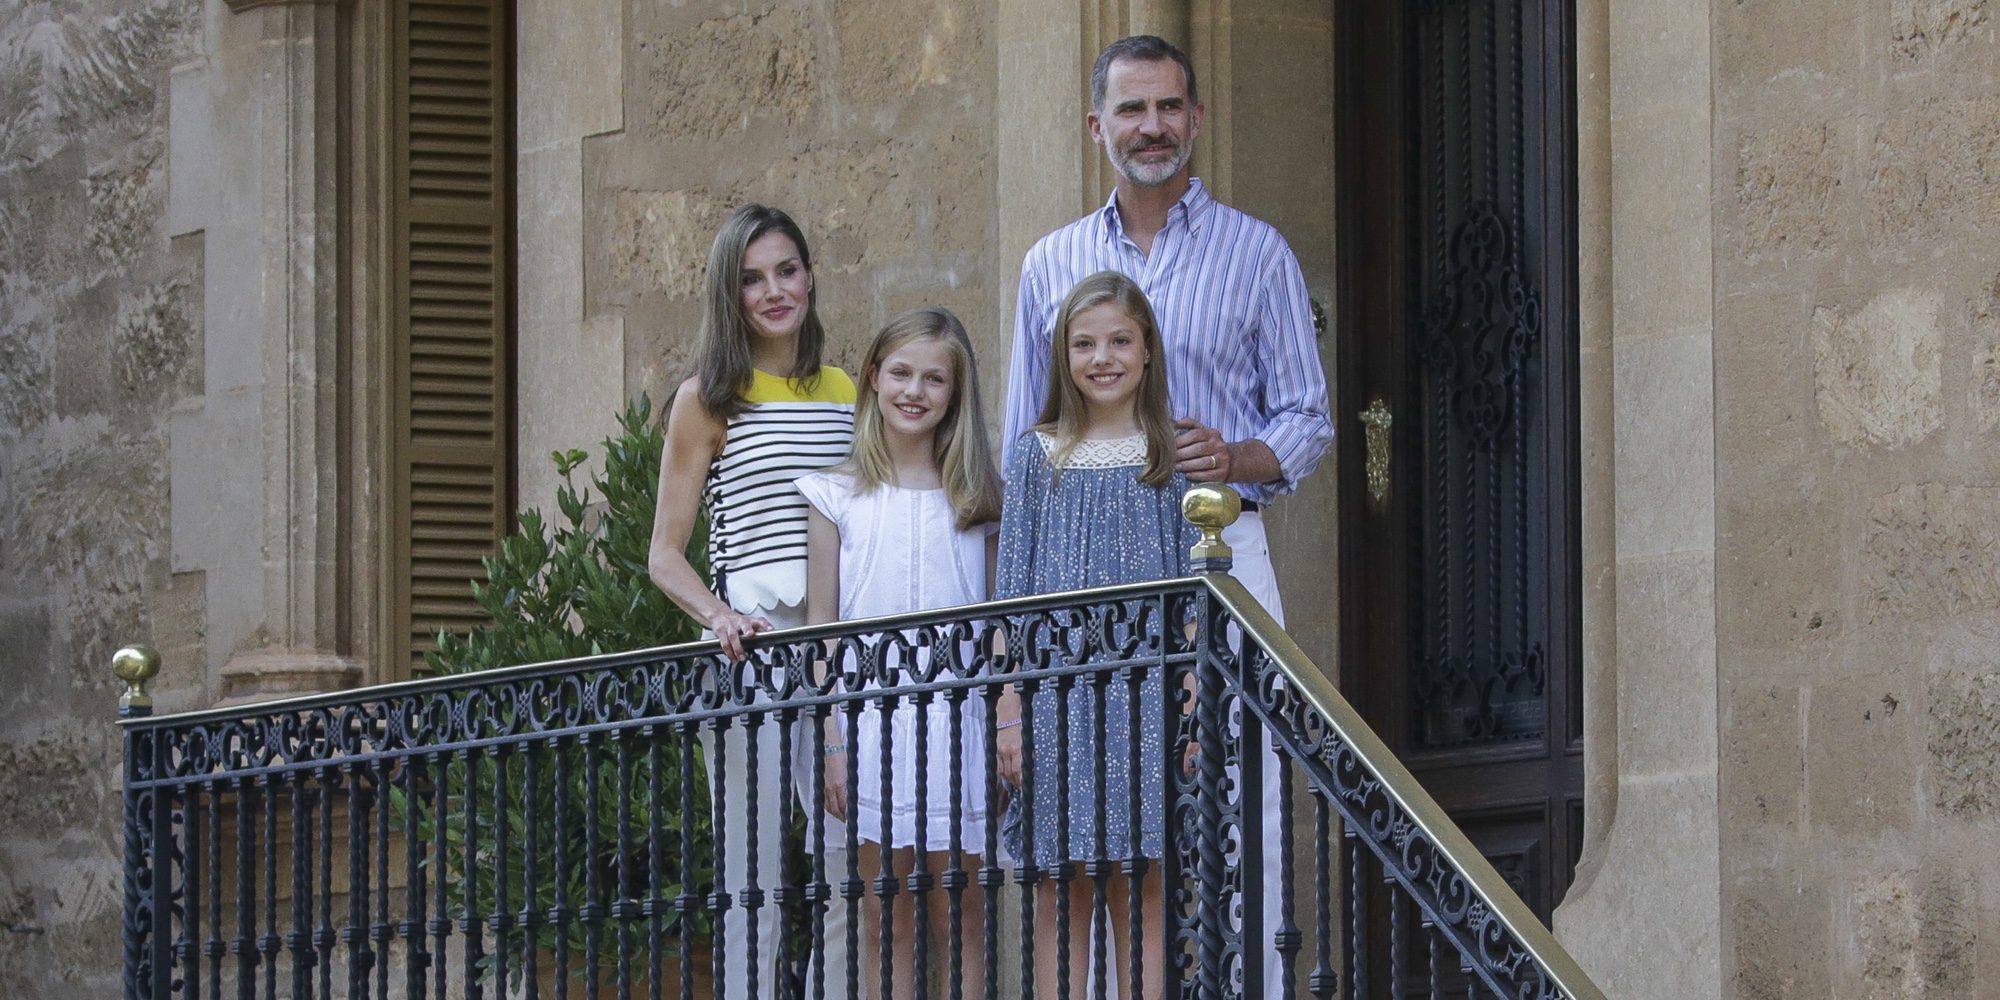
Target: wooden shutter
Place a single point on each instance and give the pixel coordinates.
(451, 344)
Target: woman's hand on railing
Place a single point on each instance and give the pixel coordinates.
(732, 627)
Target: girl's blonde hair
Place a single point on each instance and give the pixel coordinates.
(1063, 407)
(964, 459)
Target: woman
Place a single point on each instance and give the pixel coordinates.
(759, 412)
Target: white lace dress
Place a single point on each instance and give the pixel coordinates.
(900, 552)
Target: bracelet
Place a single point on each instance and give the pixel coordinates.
(1009, 724)
(833, 748)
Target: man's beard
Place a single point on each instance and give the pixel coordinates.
(1149, 174)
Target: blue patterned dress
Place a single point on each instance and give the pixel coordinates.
(1096, 525)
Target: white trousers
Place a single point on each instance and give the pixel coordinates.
(733, 812)
(1251, 567)
(733, 825)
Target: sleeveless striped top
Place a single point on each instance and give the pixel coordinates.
(756, 517)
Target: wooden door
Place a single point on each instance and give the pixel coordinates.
(1457, 356)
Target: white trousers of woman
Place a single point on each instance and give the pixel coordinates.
(739, 936)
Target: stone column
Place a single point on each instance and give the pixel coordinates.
(293, 80)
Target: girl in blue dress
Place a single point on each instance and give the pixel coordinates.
(1092, 499)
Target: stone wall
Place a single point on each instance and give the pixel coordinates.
(101, 322)
(870, 122)
(1857, 319)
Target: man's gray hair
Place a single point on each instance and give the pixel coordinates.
(1144, 48)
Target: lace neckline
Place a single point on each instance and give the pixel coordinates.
(1109, 454)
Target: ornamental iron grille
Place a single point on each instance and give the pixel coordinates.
(1481, 660)
(522, 832)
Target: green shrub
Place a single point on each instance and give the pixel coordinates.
(577, 590)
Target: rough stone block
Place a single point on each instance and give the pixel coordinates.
(1985, 316)
(658, 240)
(26, 384)
(1931, 551)
(1877, 369)
(1779, 928)
(1936, 170)
(1788, 189)
(1763, 765)
(1765, 44)
(716, 78)
(154, 337)
(1859, 729)
(889, 49)
(1961, 766)
(1914, 934)
(860, 204)
(1920, 29)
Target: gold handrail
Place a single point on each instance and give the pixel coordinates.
(1396, 780)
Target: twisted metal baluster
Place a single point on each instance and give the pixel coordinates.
(440, 924)
(753, 890)
(853, 887)
(352, 933)
(885, 877)
(685, 902)
(592, 911)
(501, 920)
(783, 896)
(1097, 869)
(1287, 939)
(415, 871)
(561, 913)
(1063, 869)
(529, 920)
(955, 877)
(269, 944)
(1431, 962)
(920, 876)
(474, 945)
(1357, 897)
(214, 947)
(192, 894)
(244, 945)
(718, 901)
(381, 931)
(1399, 903)
(300, 940)
(1026, 873)
(819, 894)
(1135, 859)
(656, 831)
(624, 909)
(991, 877)
(1325, 980)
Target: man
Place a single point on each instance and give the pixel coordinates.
(1242, 368)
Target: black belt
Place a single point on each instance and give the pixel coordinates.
(1252, 506)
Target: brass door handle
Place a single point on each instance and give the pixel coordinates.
(1375, 421)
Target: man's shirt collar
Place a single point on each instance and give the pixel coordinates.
(1191, 210)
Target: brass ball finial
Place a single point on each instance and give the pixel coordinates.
(1211, 507)
(135, 665)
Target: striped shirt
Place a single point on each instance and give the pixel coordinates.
(1234, 317)
(756, 517)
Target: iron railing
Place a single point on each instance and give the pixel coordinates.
(536, 831)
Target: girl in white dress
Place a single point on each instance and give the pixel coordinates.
(908, 523)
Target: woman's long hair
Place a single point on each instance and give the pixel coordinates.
(722, 363)
(1063, 408)
(959, 446)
